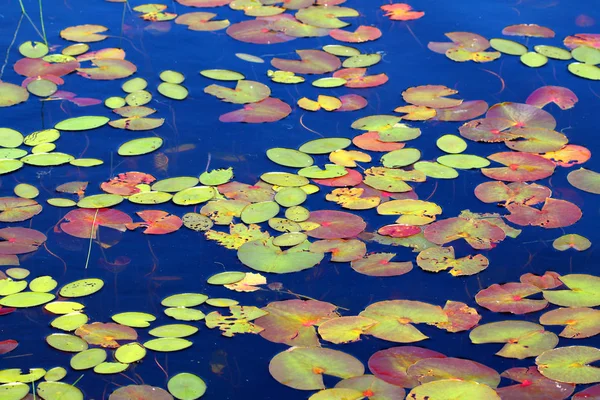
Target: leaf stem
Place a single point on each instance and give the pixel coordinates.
(29, 19)
(42, 21)
(91, 239)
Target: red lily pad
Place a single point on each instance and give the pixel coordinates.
(17, 209)
(156, 222)
(591, 393)
(549, 280)
(139, 392)
(401, 12)
(510, 297)
(125, 184)
(108, 69)
(436, 259)
(356, 78)
(370, 141)
(561, 96)
(461, 317)
(569, 155)
(33, 67)
(20, 240)
(84, 223)
(516, 192)
(533, 386)
(491, 130)
(335, 224)
(399, 230)
(530, 30)
(360, 35)
(352, 102)
(434, 369)
(462, 112)
(341, 250)
(6, 346)
(520, 167)
(293, 322)
(391, 365)
(258, 31)
(105, 334)
(244, 192)
(522, 115)
(268, 110)
(380, 264)
(480, 234)
(311, 62)
(352, 178)
(554, 214)
(583, 39)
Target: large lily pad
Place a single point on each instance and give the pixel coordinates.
(510, 297)
(570, 364)
(293, 322)
(264, 256)
(583, 291)
(303, 367)
(391, 365)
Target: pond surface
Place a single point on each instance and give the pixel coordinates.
(140, 270)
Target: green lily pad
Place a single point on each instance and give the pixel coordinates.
(58, 391)
(173, 91)
(66, 342)
(264, 256)
(82, 123)
(81, 288)
(7, 166)
(130, 353)
(47, 159)
(69, 322)
(186, 386)
(26, 299)
(167, 344)
(533, 59)
(570, 364)
(13, 391)
(88, 359)
(451, 144)
(586, 71)
(184, 300)
(463, 161)
(173, 330)
(216, 177)
(400, 158)
(134, 319)
(508, 47)
(553, 52)
(100, 201)
(138, 147)
(257, 213)
(109, 368)
(289, 157)
(194, 195)
(584, 291)
(449, 389)
(222, 75)
(325, 145)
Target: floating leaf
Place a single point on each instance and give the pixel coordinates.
(20, 240)
(391, 365)
(533, 386)
(561, 96)
(238, 322)
(395, 319)
(84, 33)
(530, 30)
(360, 35)
(345, 329)
(516, 192)
(312, 62)
(554, 214)
(437, 259)
(244, 92)
(140, 391)
(480, 234)
(186, 386)
(105, 334)
(433, 96)
(84, 223)
(447, 389)
(401, 12)
(293, 321)
(520, 167)
(583, 291)
(379, 264)
(510, 297)
(335, 224)
(570, 364)
(302, 367)
(523, 339)
(81, 123)
(326, 17)
(81, 288)
(268, 110)
(156, 222)
(262, 255)
(141, 146)
(585, 179)
(15, 209)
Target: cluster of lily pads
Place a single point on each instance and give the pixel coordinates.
(272, 231)
(583, 47)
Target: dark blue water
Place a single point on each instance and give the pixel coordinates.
(182, 261)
